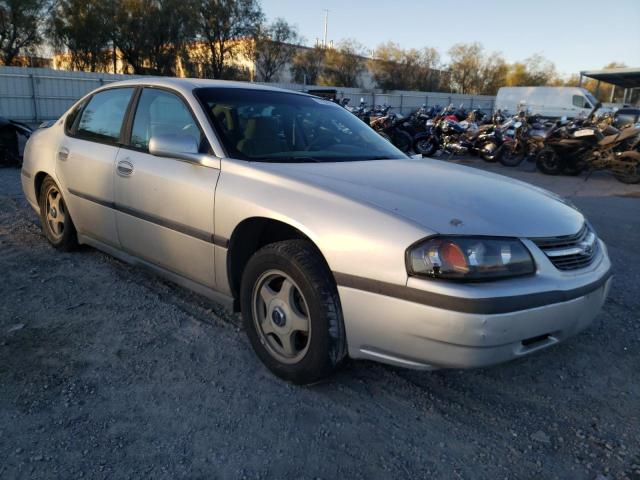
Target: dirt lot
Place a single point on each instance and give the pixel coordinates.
(108, 372)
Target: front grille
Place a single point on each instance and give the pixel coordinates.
(570, 252)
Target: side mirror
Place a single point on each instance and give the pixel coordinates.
(181, 147)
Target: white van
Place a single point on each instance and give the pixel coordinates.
(546, 101)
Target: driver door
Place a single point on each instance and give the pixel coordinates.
(165, 206)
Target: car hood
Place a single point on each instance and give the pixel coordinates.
(444, 197)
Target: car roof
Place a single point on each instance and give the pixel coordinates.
(187, 85)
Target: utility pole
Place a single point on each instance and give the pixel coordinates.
(326, 23)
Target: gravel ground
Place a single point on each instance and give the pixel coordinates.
(108, 372)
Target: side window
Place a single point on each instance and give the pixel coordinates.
(72, 117)
(580, 102)
(103, 116)
(160, 113)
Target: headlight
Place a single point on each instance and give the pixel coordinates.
(469, 258)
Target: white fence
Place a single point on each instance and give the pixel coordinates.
(33, 95)
(402, 101)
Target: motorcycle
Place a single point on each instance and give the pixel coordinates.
(487, 141)
(391, 127)
(456, 132)
(524, 139)
(362, 111)
(570, 149)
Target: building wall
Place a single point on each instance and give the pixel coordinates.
(197, 59)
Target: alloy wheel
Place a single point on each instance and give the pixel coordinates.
(55, 212)
(281, 316)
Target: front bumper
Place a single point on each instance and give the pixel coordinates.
(413, 334)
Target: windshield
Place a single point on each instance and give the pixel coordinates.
(592, 99)
(268, 126)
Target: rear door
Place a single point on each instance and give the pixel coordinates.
(85, 162)
(165, 206)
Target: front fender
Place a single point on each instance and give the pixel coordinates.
(353, 236)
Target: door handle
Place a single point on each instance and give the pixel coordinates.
(124, 168)
(63, 154)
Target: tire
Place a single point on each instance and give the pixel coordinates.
(56, 221)
(385, 136)
(425, 146)
(402, 141)
(490, 152)
(632, 177)
(511, 155)
(274, 320)
(548, 162)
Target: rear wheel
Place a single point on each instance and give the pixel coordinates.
(548, 162)
(630, 175)
(56, 221)
(292, 313)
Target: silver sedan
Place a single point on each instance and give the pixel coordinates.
(330, 241)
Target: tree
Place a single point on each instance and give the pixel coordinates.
(307, 65)
(152, 34)
(394, 68)
(19, 27)
(474, 72)
(533, 71)
(493, 74)
(343, 64)
(274, 49)
(225, 26)
(429, 76)
(465, 66)
(83, 28)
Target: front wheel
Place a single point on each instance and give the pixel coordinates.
(425, 146)
(512, 154)
(548, 162)
(292, 312)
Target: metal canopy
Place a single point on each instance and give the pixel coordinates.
(628, 77)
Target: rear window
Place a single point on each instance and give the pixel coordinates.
(103, 116)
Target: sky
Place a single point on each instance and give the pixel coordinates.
(575, 35)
